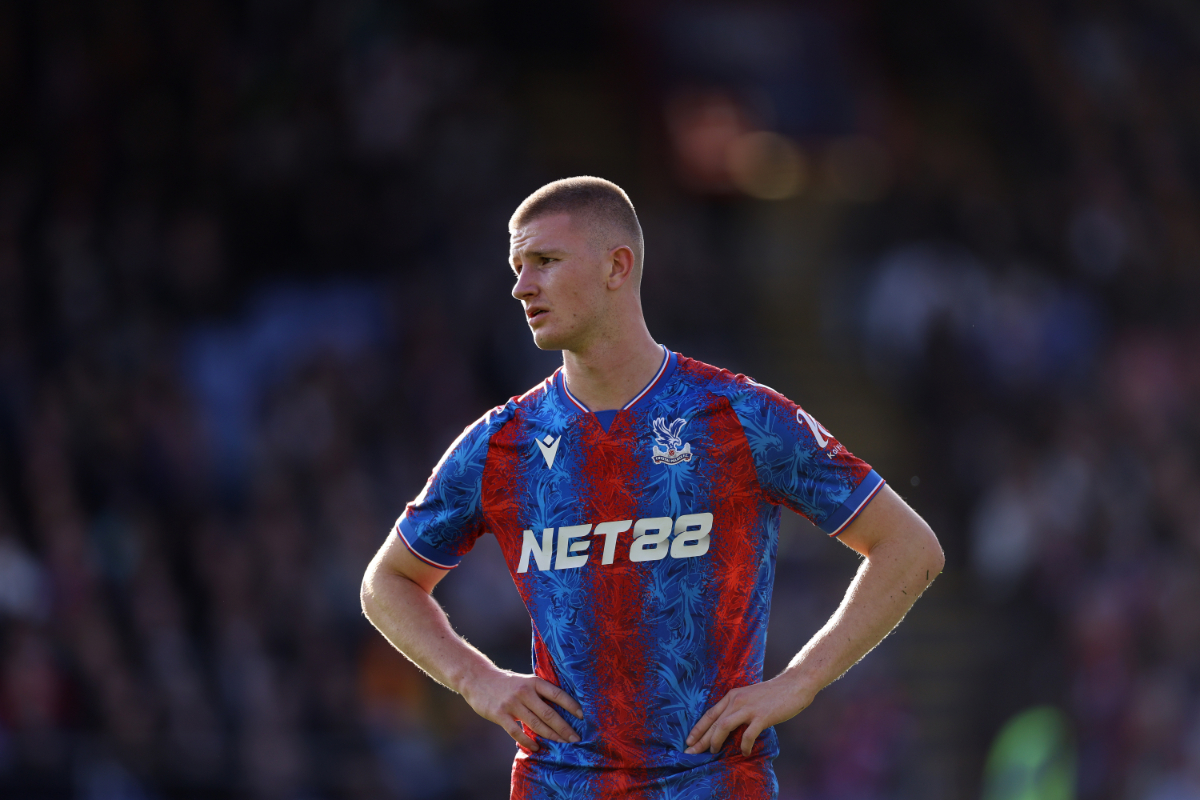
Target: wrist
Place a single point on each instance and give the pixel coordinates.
(799, 686)
(473, 673)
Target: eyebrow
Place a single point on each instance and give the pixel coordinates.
(539, 253)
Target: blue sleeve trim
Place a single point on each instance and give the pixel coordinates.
(854, 504)
(431, 556)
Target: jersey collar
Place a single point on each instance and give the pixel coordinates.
(653, 387)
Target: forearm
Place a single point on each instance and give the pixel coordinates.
(416, 625)
(888, 582)
(396, 599)
(903, 558)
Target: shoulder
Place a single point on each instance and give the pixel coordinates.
(475, 437)
(700, 376)
(466, 458)
(535, 406)
(740, 390)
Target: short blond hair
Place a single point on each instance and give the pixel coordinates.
(594, 201)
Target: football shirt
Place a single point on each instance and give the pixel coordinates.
(643, 544)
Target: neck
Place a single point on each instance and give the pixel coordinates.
(611, 371)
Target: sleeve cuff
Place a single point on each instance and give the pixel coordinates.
(855, 503)
(420, 549)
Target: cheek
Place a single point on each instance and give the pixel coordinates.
(571, 302)
(574, 298)
(588, 297)
(583, 308)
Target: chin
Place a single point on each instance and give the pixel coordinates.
(546, 342)
(549, 340)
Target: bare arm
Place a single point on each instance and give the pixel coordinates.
(396, 599)
(902, 559)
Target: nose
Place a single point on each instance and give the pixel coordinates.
(525, 288)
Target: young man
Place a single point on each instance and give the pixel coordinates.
(636, 496)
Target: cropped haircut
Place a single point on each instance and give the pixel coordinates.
(593, 201)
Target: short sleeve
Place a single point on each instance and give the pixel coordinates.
(442, 524)
(799, 463)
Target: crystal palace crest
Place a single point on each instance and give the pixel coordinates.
(670, 447)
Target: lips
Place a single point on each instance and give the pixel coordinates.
(537, 311)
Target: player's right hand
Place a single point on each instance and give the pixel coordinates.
(509, 699)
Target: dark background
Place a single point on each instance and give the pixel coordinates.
(253, 282)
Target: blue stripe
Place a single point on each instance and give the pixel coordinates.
(422, 550)
(854, 504)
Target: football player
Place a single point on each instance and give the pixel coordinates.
(636, 496)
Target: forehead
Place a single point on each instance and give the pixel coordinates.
(551, 232)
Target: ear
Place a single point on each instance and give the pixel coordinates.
(620, 266)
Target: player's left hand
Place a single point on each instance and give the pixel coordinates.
(758, 707)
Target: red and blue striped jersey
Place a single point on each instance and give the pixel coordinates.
(643, 544)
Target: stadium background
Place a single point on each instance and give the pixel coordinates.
(252, 282)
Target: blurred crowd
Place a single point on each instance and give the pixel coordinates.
(252, 283)
(1048, 338)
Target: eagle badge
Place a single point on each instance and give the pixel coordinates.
(670, 447)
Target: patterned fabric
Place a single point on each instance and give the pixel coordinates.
(651, 618)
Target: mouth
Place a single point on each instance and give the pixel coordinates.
(534, 313)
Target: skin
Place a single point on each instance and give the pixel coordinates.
(578, 286)
(901, 559)
(579, 290)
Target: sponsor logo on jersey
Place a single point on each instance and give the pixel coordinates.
(673, 449)
(549, 447)
(654, 539)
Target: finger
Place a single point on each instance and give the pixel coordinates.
(551, 692)
(714, 737)
(721, 730)
(534, 722)
(750, 736)
(551, 718)
(701, 744)
(513, 728)
(522, 708)
(702, 733)
(706, 721)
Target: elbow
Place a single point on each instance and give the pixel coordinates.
(939, 563)
(936, 558)
(366, 594)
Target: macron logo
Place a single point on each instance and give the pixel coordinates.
(549, 448)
